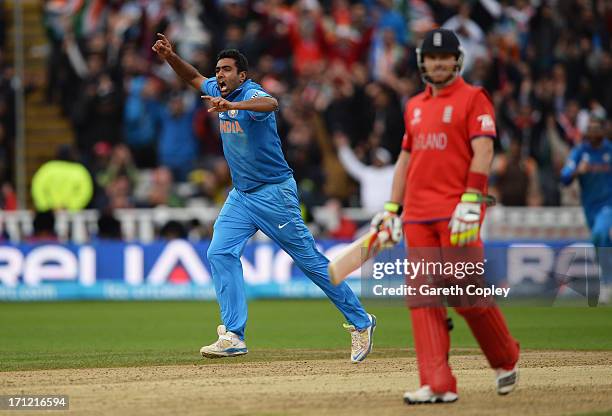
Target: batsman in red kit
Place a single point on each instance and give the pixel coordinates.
(441, 178)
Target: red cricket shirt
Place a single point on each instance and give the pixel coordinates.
(438, 134)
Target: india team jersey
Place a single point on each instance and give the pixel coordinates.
(438, 134)
(596, 184)
(250, 140)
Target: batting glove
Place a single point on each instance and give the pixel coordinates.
(388, 224)
(465, 222)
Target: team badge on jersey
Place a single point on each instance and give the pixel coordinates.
(232, 113)
(447, 115)
(416, 116)
(486, 122)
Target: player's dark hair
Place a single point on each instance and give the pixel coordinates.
(241, 61)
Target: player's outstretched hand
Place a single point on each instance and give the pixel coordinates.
(218, 104)
(162, 46)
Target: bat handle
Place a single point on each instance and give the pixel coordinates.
(489, 200)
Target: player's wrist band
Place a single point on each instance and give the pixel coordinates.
(393, 207)
(473, 197)
(477, 180)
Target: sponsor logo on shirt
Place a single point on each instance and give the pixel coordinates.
(430, 141)
(486, 122)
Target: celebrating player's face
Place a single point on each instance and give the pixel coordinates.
(228, 77)
(440, 67)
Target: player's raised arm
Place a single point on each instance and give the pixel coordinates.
(265, 104)
(183, 69)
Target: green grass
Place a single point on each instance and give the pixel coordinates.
(101, 334)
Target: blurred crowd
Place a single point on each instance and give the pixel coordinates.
(8, 198)
(342, 71)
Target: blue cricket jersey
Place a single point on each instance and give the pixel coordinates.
(250, 140)
(596, 185)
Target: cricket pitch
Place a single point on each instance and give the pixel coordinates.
(550, 383)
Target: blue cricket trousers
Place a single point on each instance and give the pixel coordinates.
(274, 209)
(601, 234)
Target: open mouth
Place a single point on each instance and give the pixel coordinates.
(222, 86)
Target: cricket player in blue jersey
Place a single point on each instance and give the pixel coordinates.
(264, 198)
(591, 162)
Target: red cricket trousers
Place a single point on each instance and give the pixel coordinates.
(429, 323)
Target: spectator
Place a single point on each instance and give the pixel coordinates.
(97, 115)
(109, 228)
(173, 230)
(141, 119)
(119, 191)
(177, 142)
(337, 225)
(515, 178)
(307, 38)
(8, 198)
(389, 18)
(569, 120)
(545, 65)
(161, 191)
(386, 56)
(116, 176)
(62, 183)
(470, 35)
(43, 227)
(214, 183)
(388, 128)
(375, 181)
(119, 164)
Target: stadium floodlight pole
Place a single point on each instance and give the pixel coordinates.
(18, 78)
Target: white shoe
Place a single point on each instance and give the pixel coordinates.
(361, 341)
(228, 345)
(424, 395)
(506, 380)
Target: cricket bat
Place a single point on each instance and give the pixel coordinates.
(353, 256)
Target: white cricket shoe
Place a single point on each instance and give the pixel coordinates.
(424, 395)
(361, 341)
(228, 345)
(506, 380)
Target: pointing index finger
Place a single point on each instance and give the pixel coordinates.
(162, 36)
